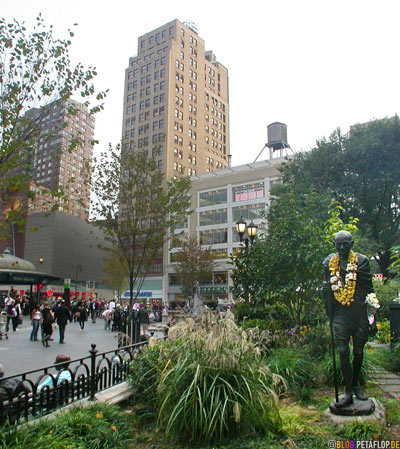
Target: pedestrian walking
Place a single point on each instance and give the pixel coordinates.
(62, 316)
(82, 316)
(47, 320)
(36, 316)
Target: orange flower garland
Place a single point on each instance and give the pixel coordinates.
(344, 293)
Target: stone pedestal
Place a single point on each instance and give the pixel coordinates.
(370, 410)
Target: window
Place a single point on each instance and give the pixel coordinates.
(213, 217)
(214, 236)
(248, 192)
(213, 197)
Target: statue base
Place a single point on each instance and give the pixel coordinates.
(357, 408)
(370, 410)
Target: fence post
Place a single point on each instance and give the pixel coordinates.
(93, 385)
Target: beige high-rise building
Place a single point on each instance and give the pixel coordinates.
(176, 97)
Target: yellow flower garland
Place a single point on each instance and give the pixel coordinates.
(344, 293)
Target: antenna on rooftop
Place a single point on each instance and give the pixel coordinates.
(192, 26)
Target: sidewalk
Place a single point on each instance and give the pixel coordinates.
(388, 382)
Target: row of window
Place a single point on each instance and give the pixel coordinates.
(179, 155)
(157, 37)
(239, 193)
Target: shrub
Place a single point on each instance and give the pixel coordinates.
(385, 292)
(297, 368)
(214, 384)
(143, 378)
(362, 430)
(327, 369)
(98, 426)
(317, 340)
(388, 359)
(383, 335)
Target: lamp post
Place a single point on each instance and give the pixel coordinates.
(77, 271)
(252, 229)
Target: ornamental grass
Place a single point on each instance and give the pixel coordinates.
(214, 384)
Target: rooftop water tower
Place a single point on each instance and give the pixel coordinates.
(277, 140)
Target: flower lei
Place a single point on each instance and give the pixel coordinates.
(344, 293)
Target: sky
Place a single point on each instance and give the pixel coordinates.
(314, 65)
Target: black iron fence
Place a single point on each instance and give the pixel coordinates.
(39, 392)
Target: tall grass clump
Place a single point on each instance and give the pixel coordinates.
(297, 368)
(214, 384)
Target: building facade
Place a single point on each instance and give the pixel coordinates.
(219, 200)
(176, 109)
(64, 143)
(176, 100)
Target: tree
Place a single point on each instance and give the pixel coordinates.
(115, 271)
(362, 172)
(35, 70)
(280, 274)
(136, 207)
(195, 265)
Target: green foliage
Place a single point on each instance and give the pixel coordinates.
(383, 335)
(395, 261)
(115, 271)
(335, 223)
(362, 172)
(392, 409)
(214, 385)
(317, 341)
(144, 377)
(279, 276)
(386, 292)
(195, 265)
(262, 325)
(136, 207)
(388, 359)
(94, 427)
(35, 70)
(362, 430)
(297, 368)
(327, 369)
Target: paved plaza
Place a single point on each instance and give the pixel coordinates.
(18, 354)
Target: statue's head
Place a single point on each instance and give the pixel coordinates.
(343, 243)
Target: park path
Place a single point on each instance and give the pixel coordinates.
(388, 382)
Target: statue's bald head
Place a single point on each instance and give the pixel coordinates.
(343, 243)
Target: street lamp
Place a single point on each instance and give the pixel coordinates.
(252, 229)
(41, 260)
(77, 271)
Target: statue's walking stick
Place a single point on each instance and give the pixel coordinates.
(335, 379)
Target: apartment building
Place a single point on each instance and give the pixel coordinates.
(176, 98)
(58, 158)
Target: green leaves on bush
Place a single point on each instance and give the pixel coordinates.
(297, 368)
(212, 384)
(94, 427)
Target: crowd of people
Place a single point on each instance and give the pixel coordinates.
(47, 313)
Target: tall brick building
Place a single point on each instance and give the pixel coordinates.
(176, 96)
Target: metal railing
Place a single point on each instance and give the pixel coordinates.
(22, 396)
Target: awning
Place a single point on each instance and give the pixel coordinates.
(22, 277)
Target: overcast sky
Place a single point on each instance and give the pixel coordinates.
(314, 65)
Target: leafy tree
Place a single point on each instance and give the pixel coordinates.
(136, 207)
(35, 70)
(280, 274)
(195, 265)
(115, 271)
(362, 172)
